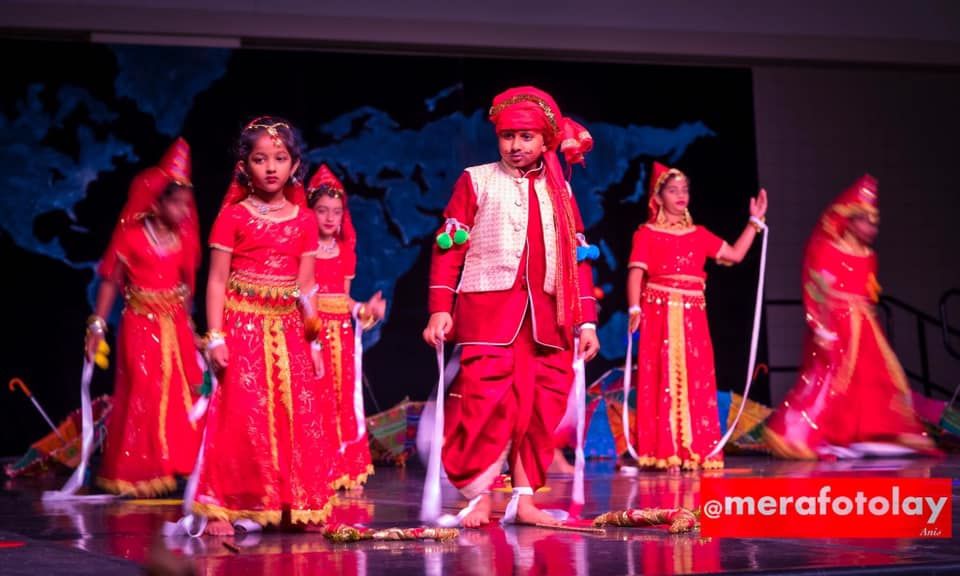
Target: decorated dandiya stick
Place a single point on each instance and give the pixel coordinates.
(346, 533)
(679, 519)
(573, 528)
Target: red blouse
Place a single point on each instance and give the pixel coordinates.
(333, 273)
(676, 253)
(146, 265)
(263, 244)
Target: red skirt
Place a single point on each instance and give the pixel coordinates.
(505, 404)
(854, 392)
(150, 439)
(677, 419)
(353, 465)
(269, 438)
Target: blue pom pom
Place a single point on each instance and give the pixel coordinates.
(590, 252)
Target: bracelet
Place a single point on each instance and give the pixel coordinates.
(214, 339)
(367, 321)
(634, 310)
(587, 326)
(759, 224)
(96, 324)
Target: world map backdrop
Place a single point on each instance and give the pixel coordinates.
(79, 120)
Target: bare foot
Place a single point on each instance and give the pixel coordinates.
(528, 513)
(480, 514)
(560, 465)
(220, 528)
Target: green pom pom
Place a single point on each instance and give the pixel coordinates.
(461, 237)
(444, 241)
(207, 387)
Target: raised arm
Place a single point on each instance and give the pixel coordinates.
(736, 253)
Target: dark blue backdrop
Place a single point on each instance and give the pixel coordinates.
(77, 121)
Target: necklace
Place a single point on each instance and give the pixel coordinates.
(264, 208)
(329, 247)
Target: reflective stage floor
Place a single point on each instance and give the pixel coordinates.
(122, 537)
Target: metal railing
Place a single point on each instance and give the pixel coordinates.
(920, 320)
(946, 328)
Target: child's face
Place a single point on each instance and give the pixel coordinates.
(675, 196)
(864, 229)
(270, 165)
(329, 211)
(174, 207)
(521, 148)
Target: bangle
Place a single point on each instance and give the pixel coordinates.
(634, 310)
(759, 224)
(366, 319)
(214, 339)
(587, 326)
(96, 324)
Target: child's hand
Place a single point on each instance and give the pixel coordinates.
(219, 357)
(636, 317)
(758, 205)
(91, 344)
(377, 306)
(440, 324)
(316, 353)
(589, 345)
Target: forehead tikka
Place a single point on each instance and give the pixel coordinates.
(271, 129)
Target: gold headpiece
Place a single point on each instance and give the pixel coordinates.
(271, 129)
(547, 111)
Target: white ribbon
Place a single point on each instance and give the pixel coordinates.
(192, 525)
(579, 396)
(451, 521)
(199, 408)
(627, 378)
(431, 502)
(754, 338)
(510, 514)
(75, 482)
(358, 410)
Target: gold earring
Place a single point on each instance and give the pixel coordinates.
(661, 217)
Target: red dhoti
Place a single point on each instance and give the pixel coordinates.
(506, 401)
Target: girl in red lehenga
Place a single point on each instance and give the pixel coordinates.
(336, 268)
(152, 258)
(677, 423)
(852, 389)
(268, 442)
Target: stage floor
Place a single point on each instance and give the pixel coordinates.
(120, 537)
